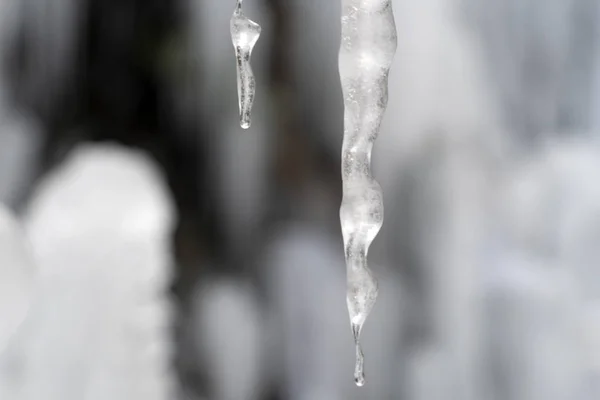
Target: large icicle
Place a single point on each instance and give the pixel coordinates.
(367, 49)
(244, 35)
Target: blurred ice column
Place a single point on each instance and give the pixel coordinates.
(533, 349)
(16, 277)
(313, 53)
(580, 96)
(576, 166)
(100, 227)
(17, 289)
(526, 45)
(238, 159)
(306, 286)
(19, 136)
(305, 281)
(591, 329)
(595, 103)
(51, 33)
(437, 159)
(20, 146)
(228, 333)
(545, 296)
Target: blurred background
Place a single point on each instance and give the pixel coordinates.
(152, 249)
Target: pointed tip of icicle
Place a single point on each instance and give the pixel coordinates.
(359, 366)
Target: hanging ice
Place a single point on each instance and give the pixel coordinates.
(244, 35)
(367, 49)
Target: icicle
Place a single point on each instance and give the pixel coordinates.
(244, 35)
(367, 49)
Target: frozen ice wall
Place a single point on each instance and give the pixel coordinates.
(543, 293)
(525, 46)
(541, 59)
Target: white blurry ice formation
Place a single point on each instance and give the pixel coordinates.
(366, 53)
(556, 207)
(544, 297)
(228, 332)
(526, 46)
(543, 60)
(100, 229)
(16, 276)
(306, 286)
(244, 35)
(534, 348)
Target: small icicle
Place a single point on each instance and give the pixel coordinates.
(367, 49)
(244, 35)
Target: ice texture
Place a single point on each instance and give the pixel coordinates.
(244, 35)
(366, 53)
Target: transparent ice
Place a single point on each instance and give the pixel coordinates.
(244, 35)
(367, 50)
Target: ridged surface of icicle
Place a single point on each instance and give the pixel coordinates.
(244, 35)
(366, 53)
